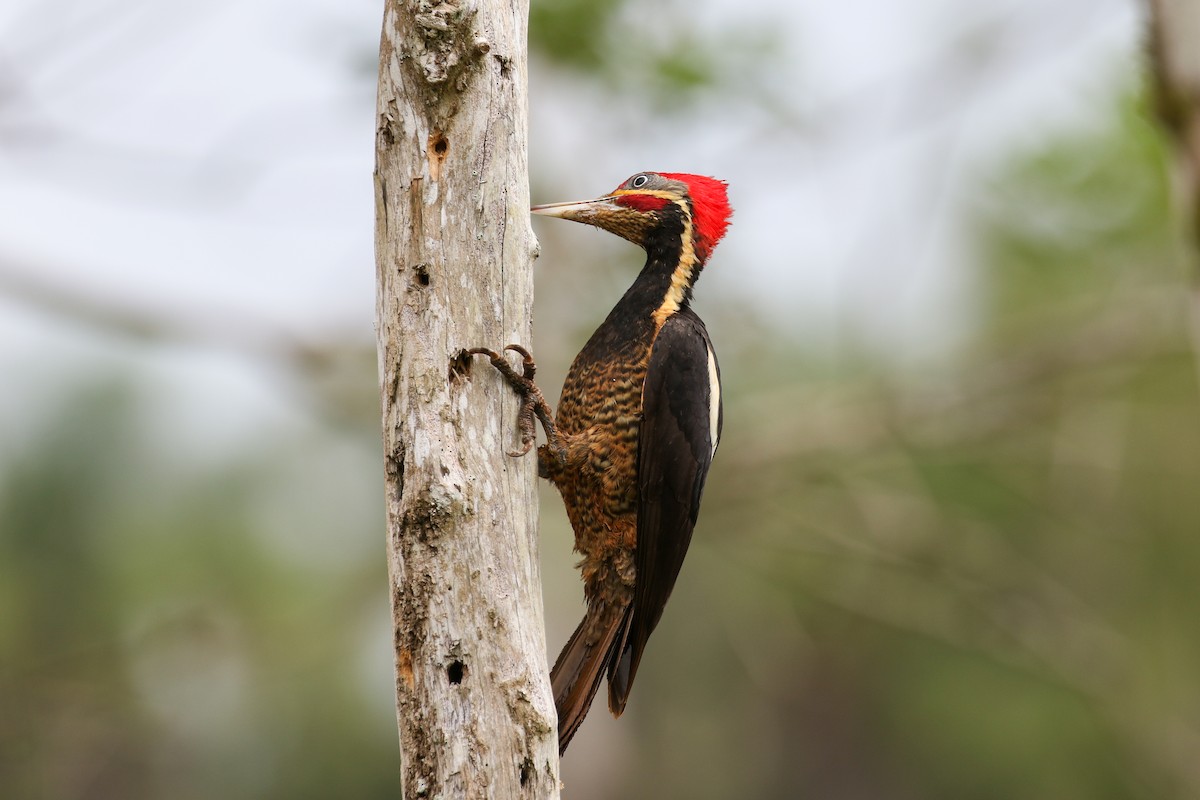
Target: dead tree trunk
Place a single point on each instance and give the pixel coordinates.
(454, 254)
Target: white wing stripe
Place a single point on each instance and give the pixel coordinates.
(714, 401)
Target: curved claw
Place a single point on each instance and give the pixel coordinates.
(534, 407)
(492, 355)
(529, 368)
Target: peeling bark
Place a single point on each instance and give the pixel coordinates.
(454, 254)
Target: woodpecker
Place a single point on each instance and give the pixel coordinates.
(637, 427)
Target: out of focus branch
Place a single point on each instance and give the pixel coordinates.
(319, 367)
(981, 404)
(1174, 61)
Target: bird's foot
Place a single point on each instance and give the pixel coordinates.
(533, 403)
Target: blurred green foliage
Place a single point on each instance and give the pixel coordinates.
(975, 580)
(971, 581)
(659, 54)
(151, 642)
(570, 32)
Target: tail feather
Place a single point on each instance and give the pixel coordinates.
(581, 665)
(621, 669)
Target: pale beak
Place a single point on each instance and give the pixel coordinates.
(577, 210)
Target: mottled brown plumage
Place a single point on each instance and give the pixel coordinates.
(636, 429)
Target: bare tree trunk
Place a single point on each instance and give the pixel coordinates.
(454, 254)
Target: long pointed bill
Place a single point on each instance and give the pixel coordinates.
(579, 211)
(604, 213)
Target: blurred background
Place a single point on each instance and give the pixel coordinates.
(949, 546)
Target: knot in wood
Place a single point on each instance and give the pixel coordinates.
(443, 44)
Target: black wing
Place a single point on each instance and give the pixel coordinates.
(681, 422)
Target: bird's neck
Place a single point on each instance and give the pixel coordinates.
(663, 287)
(668, 278)
(672, 267)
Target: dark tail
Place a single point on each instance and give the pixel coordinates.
(576, 676)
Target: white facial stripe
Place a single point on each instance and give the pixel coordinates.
(714, 401)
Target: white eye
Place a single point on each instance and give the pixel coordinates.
(639, 181)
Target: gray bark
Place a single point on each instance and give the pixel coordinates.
(454, 253)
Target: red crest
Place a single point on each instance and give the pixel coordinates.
(711, 209)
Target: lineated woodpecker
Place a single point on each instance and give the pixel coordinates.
(637, 427)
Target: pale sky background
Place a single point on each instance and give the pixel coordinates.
(212, 163)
